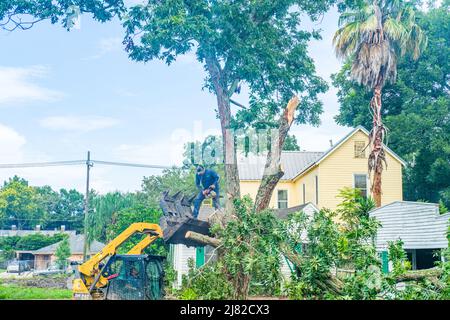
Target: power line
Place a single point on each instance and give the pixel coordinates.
(42, 164)
(81, 162)
(127, 164)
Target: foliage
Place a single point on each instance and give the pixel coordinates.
(27, 206)
(9, 292)
(104, 209)
(350, 245)
(442, 208)
(208, 283)
(62, 253)
(173, 180)
(29, 242)
(398, 257)
(123, 218)
(12, 12)
(19, 204)
(291, 144)
(253, 244)
(373, 65)
(318, 252)
(63, 208)
(253, 40)
(416, 110)
(250, 247)
(353, 205)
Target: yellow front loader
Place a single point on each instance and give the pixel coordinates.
(131, 276)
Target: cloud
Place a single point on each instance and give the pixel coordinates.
(17, 86)
(77, 123)
(105, 46)
(11, 144)
(162, 153)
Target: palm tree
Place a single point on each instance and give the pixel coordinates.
(374, 37)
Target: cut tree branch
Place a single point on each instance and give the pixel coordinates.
(272, 170)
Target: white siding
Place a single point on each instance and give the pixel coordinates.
(181, 255)
(418, 225)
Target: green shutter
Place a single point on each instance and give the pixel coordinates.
(199, 256)
(385, 261)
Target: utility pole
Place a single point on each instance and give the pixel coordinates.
(89, 164)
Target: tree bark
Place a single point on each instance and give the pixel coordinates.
(272, 169)
(417, 275)
(376, 138)
(229, 150)
(203, 239)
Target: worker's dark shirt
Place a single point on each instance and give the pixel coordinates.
(210, 177)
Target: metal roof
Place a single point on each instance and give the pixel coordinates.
(284, 213)
(76, 243)
(292, 162)
(419, 225)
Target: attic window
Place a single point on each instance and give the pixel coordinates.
(359, 149)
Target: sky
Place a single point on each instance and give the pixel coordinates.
(64, 93)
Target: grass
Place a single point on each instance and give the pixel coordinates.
(13, 292)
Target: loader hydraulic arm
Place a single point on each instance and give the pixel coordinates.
(91, 267)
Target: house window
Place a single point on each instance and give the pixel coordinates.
(304, 193)
(317, 190)
(360, 182)
(282, 199)
(359, 149)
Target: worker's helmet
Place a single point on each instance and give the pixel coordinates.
(200, 169)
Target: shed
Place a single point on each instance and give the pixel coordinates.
(419, 225)
(45, 256)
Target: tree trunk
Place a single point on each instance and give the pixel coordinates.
(272, 170)
(203, 239)
(417, 275)
(376, 139)
(229, 150)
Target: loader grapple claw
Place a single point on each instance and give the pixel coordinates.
(177, 219)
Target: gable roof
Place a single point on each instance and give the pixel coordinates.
(295, 163)
(76, 243)
(341, 142)
(419, 225)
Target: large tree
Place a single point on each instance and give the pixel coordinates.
(375, 37)
(24, 14)
(416, 110)
(259, 44)
(20, 205)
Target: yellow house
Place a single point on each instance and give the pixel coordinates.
(316, 177)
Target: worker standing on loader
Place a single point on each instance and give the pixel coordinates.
(207, 182)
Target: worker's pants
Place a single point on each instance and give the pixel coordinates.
(200, 197)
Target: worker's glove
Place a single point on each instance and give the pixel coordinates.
(212, 186)
(205, 192)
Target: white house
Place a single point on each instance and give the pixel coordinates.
(419, 225)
